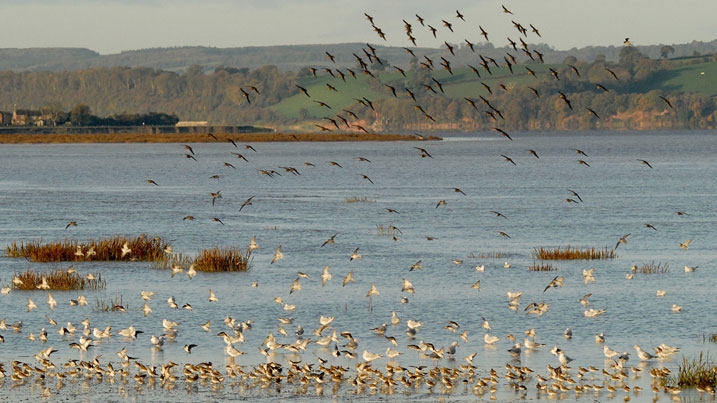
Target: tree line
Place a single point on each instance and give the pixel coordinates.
(263, 96)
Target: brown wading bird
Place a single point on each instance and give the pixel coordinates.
(667, 101)
(329, 241)
(575, 194)
(247, 202)
(302, 89)
(366, 177)
(216, 195)
(508, 159)
(612, 73)
(503, 133)
(622, 239)
(645, 163)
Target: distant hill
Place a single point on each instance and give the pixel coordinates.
(293, 57)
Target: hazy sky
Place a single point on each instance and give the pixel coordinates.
(111, 26)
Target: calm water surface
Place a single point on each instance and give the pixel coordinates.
(103, 188)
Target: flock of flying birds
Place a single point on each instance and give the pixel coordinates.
(328, 343)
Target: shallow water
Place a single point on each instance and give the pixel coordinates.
(104, 188)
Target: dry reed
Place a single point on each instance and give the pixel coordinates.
(487, 255)
(142, 248)
(115, 305)
(387, 230)
(570, 253)
(223, 259)
(541, 267)
(58, 280)
(357, 199)
(210, 260)
(652, 268)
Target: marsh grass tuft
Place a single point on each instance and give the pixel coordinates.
(143, 248)
(114, 305)
(542, 267)
(387, 230)
(223, 259)
(58, 280)
(487, 255)
(357, 199)
(652, 268)
(210, 260)
(697, 373)
(570, 253)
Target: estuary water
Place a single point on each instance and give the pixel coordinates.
(104, 189)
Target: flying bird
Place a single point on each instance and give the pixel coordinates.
(503, 133)
(71, 224)
(325, 276)
(686, 245)
(612, 73)
(278, 255)
(508, 159)
(216, 195)
(575, 194)
(247, 202)
(645, 162)
(423, 152)
(302, 89)
(330, 240)
(366, 177)
(349, 278)
(622, 239)
(667, 101)
(555, 283)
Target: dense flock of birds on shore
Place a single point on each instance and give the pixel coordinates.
(338, 363)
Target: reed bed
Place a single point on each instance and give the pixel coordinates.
(652, 268)
(142, 248)
(357, 199)
(697, 373)
(570, 253)
(542, 266)
(58, 280)
(223, 259)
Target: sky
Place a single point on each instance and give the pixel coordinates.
(113, 26)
